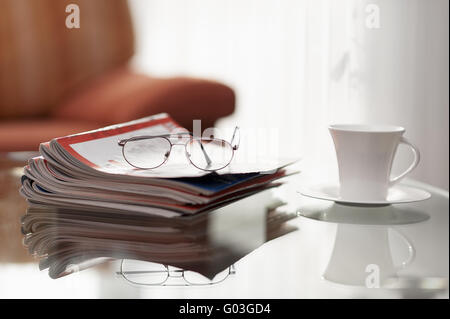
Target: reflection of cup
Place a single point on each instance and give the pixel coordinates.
(365, 154)
(362, 256)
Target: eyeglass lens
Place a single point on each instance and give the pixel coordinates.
(144, 272)
(148, 273)
(209, 154)
(195, 278)
(147, 153)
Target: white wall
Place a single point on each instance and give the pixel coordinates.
(298, 65)
(405, 78)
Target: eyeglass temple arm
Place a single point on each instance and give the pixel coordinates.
(208, 160)
(235, 147)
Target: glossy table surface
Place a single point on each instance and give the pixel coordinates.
(328, 250)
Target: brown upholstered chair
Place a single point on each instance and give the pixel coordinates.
(56, 81)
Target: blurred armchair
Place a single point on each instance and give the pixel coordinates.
(56, 81)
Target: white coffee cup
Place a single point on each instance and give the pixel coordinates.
(365, 154)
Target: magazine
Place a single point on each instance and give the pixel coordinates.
(88, 170)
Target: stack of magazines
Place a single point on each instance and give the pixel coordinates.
(132, 173)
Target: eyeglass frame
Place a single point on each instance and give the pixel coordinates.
(231, 271)
(235, 147)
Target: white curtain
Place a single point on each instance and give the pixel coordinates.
(405, 79)
(298, 65)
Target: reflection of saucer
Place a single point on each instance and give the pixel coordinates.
(410, 287)
(396, 194)
(364, 215)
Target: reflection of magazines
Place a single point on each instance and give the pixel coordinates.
(198, 243)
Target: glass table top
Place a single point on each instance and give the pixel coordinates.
(279, 244)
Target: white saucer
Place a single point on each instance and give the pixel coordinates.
(396, 194)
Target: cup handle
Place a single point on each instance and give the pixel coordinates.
(411, 250)
(414, 164)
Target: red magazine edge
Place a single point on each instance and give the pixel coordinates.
(66, 141)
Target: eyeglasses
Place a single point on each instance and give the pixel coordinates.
(207, 154)
(146, 273)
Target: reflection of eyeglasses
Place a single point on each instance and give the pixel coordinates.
(152, 274)
(208, 154)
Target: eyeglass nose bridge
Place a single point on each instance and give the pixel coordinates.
(231, 270)
(167, 154)
(176, 273)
